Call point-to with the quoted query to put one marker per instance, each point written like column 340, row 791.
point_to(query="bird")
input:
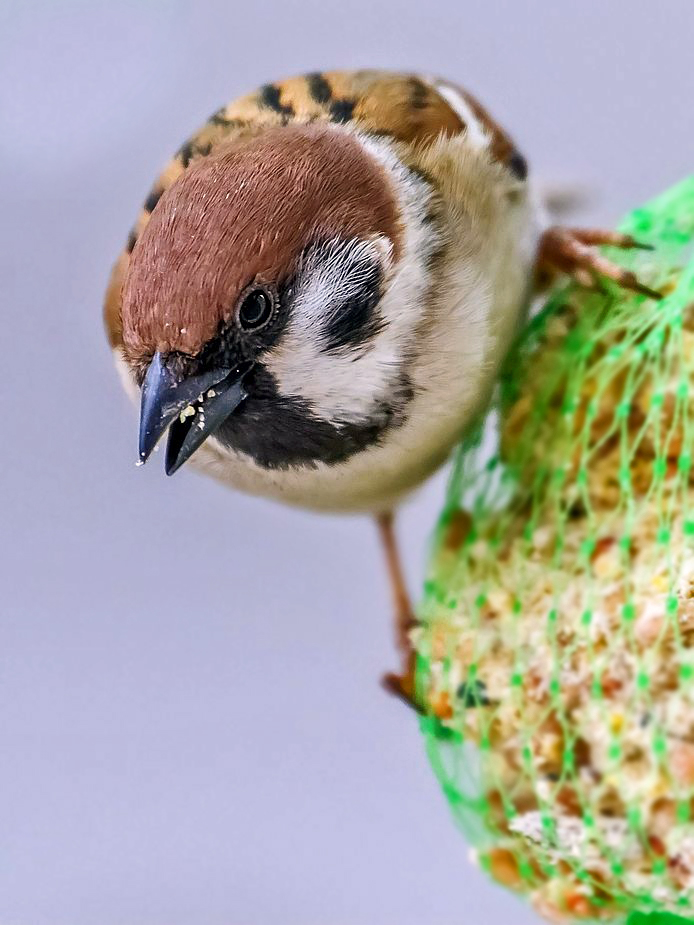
column 321, row 286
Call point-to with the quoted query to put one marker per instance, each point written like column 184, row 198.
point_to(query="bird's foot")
column 402, row 685
column 573, row 251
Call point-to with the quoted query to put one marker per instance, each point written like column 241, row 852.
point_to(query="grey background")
column 190, row 725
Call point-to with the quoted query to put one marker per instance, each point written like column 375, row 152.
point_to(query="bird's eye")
column 255, row 309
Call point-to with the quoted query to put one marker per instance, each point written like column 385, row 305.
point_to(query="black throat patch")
column 281, row 432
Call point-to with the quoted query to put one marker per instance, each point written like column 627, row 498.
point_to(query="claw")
column 402, row 687
column 636, row 286
column 572, row 251
column 594, row 237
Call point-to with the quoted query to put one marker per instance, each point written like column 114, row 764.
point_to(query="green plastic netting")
column 556, row 648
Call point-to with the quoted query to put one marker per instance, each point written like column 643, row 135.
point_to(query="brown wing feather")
column 402, row 106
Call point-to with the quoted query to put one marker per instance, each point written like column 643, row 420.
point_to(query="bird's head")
column 274, row 297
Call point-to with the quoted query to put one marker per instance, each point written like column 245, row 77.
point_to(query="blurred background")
column 191, row 726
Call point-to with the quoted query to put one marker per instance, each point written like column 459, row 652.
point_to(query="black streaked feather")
column 270, row 98
column 152, row 200
column 518, row 165
column 319, row 88
column 342, row 110
column 185, row 152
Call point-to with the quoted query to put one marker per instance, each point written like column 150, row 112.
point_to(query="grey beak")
column 190, row 407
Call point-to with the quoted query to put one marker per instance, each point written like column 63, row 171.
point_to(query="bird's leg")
column 400, row 685
column 572, row 251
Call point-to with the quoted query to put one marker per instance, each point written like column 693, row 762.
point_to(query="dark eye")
column 256, row 309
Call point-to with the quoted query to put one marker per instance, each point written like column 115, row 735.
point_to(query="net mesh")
column 556, row 645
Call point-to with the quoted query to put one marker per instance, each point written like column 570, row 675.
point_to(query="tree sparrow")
column 321, row 285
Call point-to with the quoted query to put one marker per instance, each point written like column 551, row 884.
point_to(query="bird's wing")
column 408, row 108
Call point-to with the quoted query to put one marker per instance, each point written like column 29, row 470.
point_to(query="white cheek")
column 340, row 386
column 348, row 385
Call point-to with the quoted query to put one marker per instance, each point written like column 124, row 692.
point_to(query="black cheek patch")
column 354, row 325
column 357, row 320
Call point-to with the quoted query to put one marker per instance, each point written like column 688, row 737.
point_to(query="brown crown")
column 245, row 213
